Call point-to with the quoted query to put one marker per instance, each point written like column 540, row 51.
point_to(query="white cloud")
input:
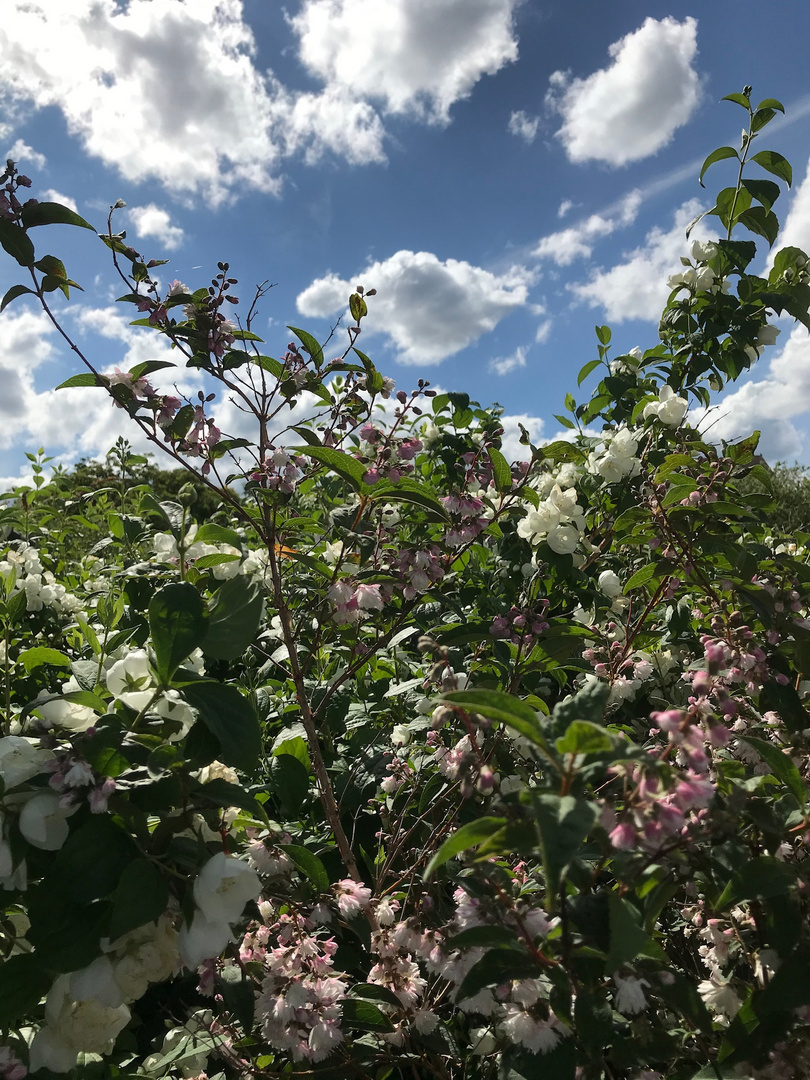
column 637, row 287
column 427, row 308
column 52, row 195
column 778, row 405
column 22, row 152
column 795, row 231
column 415, row 56
column 632, row 108
column 564, row 207
column 524, row 126
column 168, row 90
column 502, row 365
column 543, row 332
column 511, row 446
column 577, row 241
column 151, row 221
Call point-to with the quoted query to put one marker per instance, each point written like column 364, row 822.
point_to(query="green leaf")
column 238, row 995
column 468, row 836
column 760, row 221
column 141, row 897
column 289, row 780
column 216, row 534
column 780, row 765
column 407, row 490
column 496, row 967
column 776, row 164
column 34, row 658
column 764, row 191
column 566, row 423
column 785, row 701
column 16, row 242
column 641, row 577
column 52, row 213
column 477, row 937
column 357, row 306
column 583, row 737
column 309, row 865
column 178, row 623
column 363, row 1015
column 24, row 979
column 501, row 473
column 720, row 154
column 763, row 877
column 90, row 863
column 13, row 293
column 585, row 371
column 343, row 464
column 269, row 364
column 603, row 334
column 510, row 710
column 376, row 993
column 563, row 823
column 770, row 103
column 233, row 618
column 84, row 378
column 627, row 937
column 740, row 99
column 205, row 562
column 230, row 717
column 310, row 344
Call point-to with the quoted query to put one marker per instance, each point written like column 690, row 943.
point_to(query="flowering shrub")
column 412, row 761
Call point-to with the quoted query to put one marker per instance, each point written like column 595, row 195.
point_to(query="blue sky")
column 505, row 174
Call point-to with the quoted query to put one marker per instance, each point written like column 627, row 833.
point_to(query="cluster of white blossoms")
column 86, row 1010
column 133, row 681
column 232, row 560
column 558, row 518
column 700, row 278
column 41, row 588
column 615, row 459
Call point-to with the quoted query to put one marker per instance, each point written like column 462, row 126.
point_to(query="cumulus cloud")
column 795, row 231
column 578, row 240
column 427, row 308
column 502, row 365
column 52, row 195
column 524, row 126
column 511, row 446
column 151, row 221
column 630, row 109
column 637, row 287
column 169, row 90
column 415, row 56
column 22, row 152
column 778, row 404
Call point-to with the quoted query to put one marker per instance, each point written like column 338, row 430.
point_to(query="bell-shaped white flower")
column 20, row 759
column 224, row 885
column 43, row 822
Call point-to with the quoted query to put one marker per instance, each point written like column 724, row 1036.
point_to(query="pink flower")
column 352, row 897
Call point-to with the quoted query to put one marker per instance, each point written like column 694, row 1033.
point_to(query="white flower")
column 704, row 252
column 129, row 677
column 718, row 996
column 67, row 714
column 20, row 759
column 670, row 408
column 223, row 887
column 43, row 822
column 538, row 522
column 629, row 995
column 563, row 539
column 609, row 584
column 203, row 939
column 768, row 335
